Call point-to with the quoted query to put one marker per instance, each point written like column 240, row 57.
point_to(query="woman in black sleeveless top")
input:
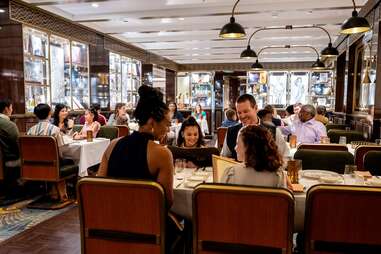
column 137, row 156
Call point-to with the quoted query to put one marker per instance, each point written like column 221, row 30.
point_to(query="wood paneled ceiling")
column 186, row 31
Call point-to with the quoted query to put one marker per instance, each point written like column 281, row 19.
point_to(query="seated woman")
column 137, row 156
column 120, row 116
column 261, row 160
column 91, row 124
column 190, row 134
column 176, row 116
column 60, row 119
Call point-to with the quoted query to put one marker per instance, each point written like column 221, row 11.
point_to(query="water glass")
column 179, row 165
column 343, row 140
column 377, row 141
column 350, row 169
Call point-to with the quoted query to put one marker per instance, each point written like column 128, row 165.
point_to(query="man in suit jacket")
column 247, row 114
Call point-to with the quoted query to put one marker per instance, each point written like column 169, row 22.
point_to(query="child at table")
column 91, row 124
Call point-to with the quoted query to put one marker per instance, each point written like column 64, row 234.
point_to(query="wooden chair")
column 324, row 159
column 343, row 219
column 242, row 219
column 121, row 216
column 334, row 147
column 123, row 130
column 40, row 162
column 221, row 133
column 335, row 135
column 221, row 163
column 372, row 162
column 201, row 157
column 360, row 152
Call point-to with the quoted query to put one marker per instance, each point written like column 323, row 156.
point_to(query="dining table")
column 187, row 179
column 85, row 153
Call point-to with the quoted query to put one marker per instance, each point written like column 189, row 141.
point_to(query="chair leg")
column 61, row 189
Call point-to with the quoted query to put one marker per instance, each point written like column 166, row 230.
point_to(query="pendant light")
column 248, row 53
column 257, row 66
column 232, row 30
column 355, row 24
column 318, row 65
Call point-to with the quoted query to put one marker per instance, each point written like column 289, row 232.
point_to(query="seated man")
column 44, row 128
column 9, row 135
column 306, row 128
column 320, row 115
column 276, row 121
column 247, row 114
column 231, row 118
column 266, row 116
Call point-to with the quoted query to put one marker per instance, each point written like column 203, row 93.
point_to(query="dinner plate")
column 373, row 182
column 202, row 174
column 192, row 184
column 196, row 178
column 317, row 174
column 330, row 179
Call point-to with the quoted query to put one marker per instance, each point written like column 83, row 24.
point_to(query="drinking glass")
column 350, row 169
column 293, row 139
column 347, row 128
column 89, row 136
column 343, row 140
column 179, row 165
column 293, row 167
column 377, row 141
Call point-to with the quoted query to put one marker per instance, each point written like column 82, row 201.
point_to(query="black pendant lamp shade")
column 318, row 65
column 355, row 24
column 329, row 51
column 248, row 53
column 232, row 30
column 257, row 66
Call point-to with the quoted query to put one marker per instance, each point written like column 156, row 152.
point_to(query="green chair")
column 324, row 159
column 77, row 127
column 335, row 135
column 372, row 162
column 335, row 126
column 110, row 132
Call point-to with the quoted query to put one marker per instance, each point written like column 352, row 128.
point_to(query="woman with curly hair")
column 261, row 161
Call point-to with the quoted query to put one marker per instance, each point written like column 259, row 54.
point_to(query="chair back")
column 121, row 216
column 77, row 128
column 242, row 219
column 39, row 158
column 109, row 132
column 123, row 130
column 360, row 152
column 219, row 165
column 1, row 164
column 221, row 133
column 334, row 135
column 336, row 126
column 324, row 159
column 335, row 147
column 343, row 219
column 201, row 157
column 372, row 162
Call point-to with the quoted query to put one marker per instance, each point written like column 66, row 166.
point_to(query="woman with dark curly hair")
column 262, row 162
column 190, row 134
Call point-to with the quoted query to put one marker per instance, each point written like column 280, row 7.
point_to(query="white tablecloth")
column 182, row 204
column 85, row 154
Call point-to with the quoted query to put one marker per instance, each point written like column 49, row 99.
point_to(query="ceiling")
column 186, row 31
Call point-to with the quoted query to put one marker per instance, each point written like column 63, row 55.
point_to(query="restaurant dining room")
column 190, row 127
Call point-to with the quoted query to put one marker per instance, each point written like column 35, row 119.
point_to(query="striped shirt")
column 44, row 128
